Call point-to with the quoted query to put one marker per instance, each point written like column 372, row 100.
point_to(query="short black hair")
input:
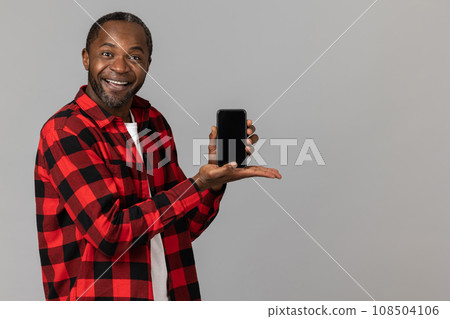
column 118, row 16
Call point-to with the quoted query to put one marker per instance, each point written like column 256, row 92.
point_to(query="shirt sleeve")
column 91, row 198
column 200, row 217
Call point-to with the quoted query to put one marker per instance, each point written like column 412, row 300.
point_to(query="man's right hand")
column 211, row 175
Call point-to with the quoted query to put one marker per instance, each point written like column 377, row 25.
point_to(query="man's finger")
column 213, row 133
column 212, row 139
column 263, row 171
column 250, row 130
column 252, row 139
column 255, row 171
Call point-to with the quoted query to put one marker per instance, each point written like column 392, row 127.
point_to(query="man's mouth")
column 117, row 82
column 116, row 85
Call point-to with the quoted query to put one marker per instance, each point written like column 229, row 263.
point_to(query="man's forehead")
column 122, row 32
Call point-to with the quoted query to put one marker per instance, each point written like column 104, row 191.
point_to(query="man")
column 109, row 230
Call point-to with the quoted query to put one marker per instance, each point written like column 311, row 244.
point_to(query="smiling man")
column 109, row 229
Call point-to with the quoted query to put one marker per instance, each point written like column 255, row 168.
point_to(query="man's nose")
column 120, row 65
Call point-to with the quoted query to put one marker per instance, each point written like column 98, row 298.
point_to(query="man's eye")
column 108, row 54
column 136, row 58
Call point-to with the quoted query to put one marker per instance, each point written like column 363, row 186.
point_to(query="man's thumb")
column 232, row 164
column 213, row 133
column 222, row 171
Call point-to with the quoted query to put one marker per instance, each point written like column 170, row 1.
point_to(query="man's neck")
column 123, row 112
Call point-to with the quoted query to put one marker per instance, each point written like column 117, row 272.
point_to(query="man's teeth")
column 116, row 82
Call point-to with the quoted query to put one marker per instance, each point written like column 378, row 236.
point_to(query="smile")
column 116, row 86
column 116, row 82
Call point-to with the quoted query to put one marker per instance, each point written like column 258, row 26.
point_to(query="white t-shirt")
column 158, row 261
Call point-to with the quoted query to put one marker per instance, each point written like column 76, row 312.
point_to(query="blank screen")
column 231, row 126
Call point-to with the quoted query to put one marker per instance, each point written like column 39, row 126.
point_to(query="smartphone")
column 231, row 136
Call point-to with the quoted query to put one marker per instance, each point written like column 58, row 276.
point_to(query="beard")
column 111, row 100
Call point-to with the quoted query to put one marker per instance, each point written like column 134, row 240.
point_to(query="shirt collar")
column 132, row 117
column 100, row 115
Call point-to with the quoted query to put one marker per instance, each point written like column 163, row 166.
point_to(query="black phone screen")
column 231, row 137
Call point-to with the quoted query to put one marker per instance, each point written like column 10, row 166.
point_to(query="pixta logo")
column 309, row 152
column 145, row 148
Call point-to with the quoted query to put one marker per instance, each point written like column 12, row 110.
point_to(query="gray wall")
column 376, row 104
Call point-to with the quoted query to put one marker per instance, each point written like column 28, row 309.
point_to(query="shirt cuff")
column 188, row 194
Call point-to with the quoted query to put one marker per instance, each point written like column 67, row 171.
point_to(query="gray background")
column 376, row 105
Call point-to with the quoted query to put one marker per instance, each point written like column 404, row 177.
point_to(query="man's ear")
column 148, row 65
column 85, row 56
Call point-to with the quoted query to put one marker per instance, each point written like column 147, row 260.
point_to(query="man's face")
column 114, row 75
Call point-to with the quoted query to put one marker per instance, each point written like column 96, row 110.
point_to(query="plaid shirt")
column 92, row 205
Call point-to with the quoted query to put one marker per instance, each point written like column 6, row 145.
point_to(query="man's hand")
column 212, row 148
column 212, row 176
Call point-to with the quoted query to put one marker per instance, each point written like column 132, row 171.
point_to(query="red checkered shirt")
column 92, row 205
